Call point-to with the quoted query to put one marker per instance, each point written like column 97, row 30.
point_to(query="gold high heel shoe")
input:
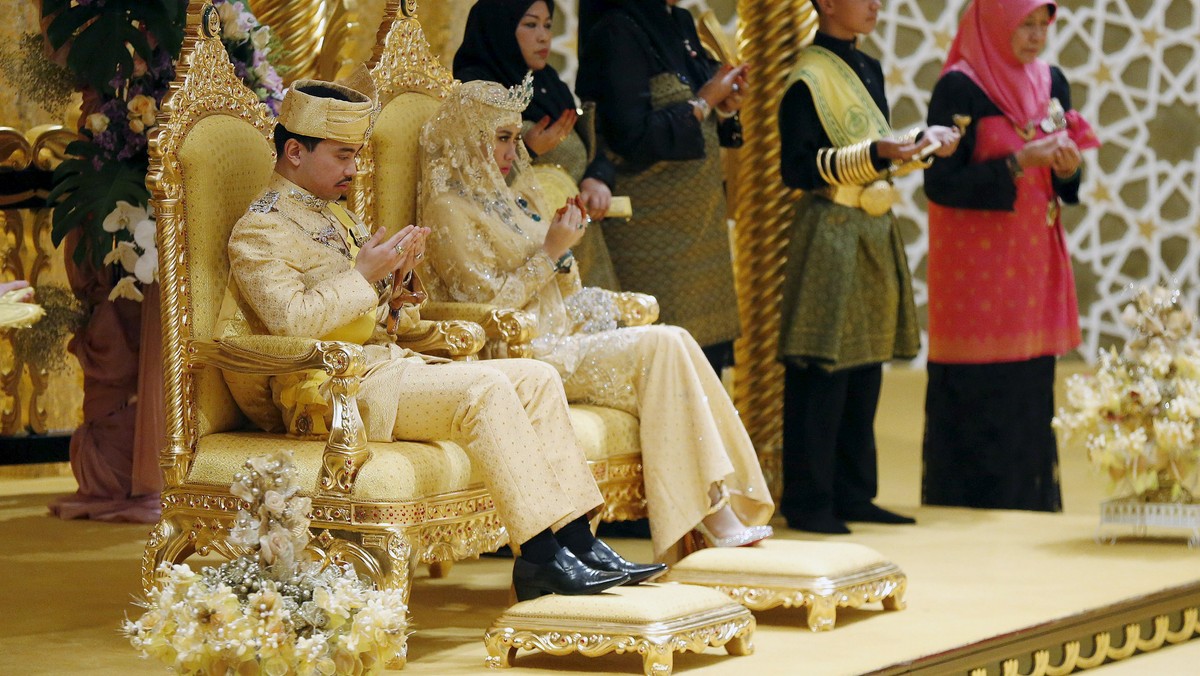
column 748, row 536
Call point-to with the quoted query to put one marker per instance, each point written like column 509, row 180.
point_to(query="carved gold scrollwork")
column 637, row 309
column 1103, row 648
column 516, row 328
column 459, row 339
column 210, row 22
column 657, row 651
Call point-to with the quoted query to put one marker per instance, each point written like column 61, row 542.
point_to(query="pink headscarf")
column 982, row 51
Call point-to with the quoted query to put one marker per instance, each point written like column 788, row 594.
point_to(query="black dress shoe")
column 872, row 513
column 565, row 574
column 817, row 522
column 602, row 557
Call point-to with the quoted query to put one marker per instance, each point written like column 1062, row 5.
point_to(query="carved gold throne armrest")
column 346, row 449
column 514, row 329
column 459, row 339
column 637, row 309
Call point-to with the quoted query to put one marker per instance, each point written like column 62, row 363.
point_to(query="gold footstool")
column 654, row 620
column 821, row 576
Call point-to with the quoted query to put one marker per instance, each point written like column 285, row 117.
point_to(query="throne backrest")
column 410, row 83
column 210, row 158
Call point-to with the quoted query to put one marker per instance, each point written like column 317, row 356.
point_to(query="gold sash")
column 361, row 329
column 847, row 111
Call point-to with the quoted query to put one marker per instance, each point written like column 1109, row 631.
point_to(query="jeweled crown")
column 515, row 98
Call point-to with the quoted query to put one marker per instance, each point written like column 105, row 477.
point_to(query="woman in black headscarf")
column 505, row 39
column 664, row 108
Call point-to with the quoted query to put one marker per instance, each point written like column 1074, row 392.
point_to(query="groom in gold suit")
column 301, row 265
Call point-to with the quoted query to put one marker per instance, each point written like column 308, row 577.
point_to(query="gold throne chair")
column 410, row 83
column 384, row 507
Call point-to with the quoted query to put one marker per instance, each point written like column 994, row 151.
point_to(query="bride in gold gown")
column 494, row 241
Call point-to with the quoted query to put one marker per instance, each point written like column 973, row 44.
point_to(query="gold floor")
column 972, row 575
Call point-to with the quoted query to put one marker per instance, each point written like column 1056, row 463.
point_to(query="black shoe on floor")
column 565, row 574
column 602, row 557
column 817, row 522
column 872, row 513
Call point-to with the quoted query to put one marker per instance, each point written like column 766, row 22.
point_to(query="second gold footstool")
column 821, row 576
column 653, row 620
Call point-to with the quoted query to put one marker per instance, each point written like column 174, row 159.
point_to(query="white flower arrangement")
column 271, row 611
column 138, row 256
column 1138, row 417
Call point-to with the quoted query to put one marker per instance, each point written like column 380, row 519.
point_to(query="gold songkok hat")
column 325, row 118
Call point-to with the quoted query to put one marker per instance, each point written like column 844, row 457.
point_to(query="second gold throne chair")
column 410, row 83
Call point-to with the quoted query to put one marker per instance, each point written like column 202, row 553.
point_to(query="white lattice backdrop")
column 1135, row 74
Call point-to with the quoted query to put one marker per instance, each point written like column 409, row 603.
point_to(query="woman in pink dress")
column 1001, row 294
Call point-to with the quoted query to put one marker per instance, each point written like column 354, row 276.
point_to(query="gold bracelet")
column 859, row 169
column 824, row 157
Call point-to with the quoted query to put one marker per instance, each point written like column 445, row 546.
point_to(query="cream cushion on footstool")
column 818, row 575
column 655, row 620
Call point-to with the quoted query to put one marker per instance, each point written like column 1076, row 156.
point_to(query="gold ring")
column 399, row 249
column 420, row 256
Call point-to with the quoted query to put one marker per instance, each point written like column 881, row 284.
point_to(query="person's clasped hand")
column 943, row 139
column 597, row 197
column 381, row 255
column 1056, row 151
column 543, row 136
column 725, row 90
column 413, row 245
column 566, row 230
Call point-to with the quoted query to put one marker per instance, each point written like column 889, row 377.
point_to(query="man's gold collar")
column 298, row 194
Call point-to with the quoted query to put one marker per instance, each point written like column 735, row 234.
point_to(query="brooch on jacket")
column 266, row 203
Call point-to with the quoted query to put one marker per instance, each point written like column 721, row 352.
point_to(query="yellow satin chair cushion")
column 397, row 472
column 605, row 432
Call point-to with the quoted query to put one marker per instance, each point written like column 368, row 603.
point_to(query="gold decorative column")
column 349, row 37
column 770, row 37
column 301, row 27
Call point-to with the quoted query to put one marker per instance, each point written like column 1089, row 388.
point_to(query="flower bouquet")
column 1138, row 417
column 270, row 611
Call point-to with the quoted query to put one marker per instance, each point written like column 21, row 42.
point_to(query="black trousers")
column 988, row 441
column 829, row 438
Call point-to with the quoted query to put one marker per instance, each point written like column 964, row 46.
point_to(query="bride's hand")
column 565, row 230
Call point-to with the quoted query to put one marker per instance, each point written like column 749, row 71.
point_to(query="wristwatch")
column 702, row 105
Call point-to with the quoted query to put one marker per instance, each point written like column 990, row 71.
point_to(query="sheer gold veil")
column 457, row 146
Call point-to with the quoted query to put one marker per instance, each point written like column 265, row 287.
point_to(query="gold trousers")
column 509, row 415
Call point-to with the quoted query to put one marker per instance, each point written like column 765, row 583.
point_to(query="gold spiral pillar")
column 771, row 35
column 301, row 27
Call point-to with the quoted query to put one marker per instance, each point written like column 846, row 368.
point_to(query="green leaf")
column 84, row 195
column 65, row 24
column 165, row 20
